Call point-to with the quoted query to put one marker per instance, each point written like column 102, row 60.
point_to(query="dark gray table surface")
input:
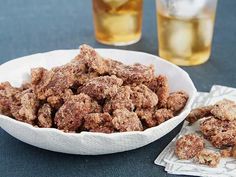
column 32, row 26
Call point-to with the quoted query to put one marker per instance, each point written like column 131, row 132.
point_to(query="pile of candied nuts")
column 218, row 126
column 92, row 93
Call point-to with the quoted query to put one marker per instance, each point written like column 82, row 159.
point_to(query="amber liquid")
column 117, row 22
column 185, row 42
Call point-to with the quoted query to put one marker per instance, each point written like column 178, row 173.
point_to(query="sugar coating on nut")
column 188, row 146
column 56, row 101
column 132, row 74
column 25, row 107
column 121, row 100
column 83, row 78
column 125, row 120
column 37, row 74
column 45, row 116
column 224, row 139
column 208, row 157
column 92, row 60
column 199, row 113
column 176, row 101
column 99, row 122
column 7, row 97
column 71, row 114
column 151, row 117
column 162, row 115
column 160, row 86
column 54, row 82
column 114, row 66
column 143, row 97
column 146, row 116
column 102, row 87
column 224, row 110
column 210, row 126
column 219, row 132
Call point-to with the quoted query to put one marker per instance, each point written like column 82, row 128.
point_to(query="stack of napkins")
column 167, row 158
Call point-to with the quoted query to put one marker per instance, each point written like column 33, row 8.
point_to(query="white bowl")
column 16, row 71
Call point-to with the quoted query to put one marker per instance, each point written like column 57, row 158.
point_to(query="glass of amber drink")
column 185, row 30
column 117, row 22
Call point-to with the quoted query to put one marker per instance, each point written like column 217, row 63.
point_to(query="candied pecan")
column 189, row 146
column 208, row 157
column 98, row 122
column 224, row 110
column 55, row 81
column 162, row 115
column 55, row 101
column 83, row 78
column 71, row 114
column 224, row 139
column 37, row 74
column 7, row 96
column 211, row 126
column 146, row 116
column 80, row 73
column 130, row 74
column 25, row 107
column 120, row 100
column 143, row 97
column 102, row 87
column 125, row 120
column 92, row 59
column 199, row 113
column 219, row 132
column 177, row 101
column 151, row 117
column 58, row 100
column 67, row 94
column 45, row 116
column 160, row 86
column 113, row 66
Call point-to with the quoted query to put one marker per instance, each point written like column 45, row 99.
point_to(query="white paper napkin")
column 167, row 158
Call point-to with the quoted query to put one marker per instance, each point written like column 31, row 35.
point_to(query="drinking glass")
column 117, row 22
column 185, row 30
